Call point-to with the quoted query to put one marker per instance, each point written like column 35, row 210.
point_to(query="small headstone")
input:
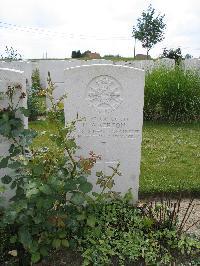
column 110, row 99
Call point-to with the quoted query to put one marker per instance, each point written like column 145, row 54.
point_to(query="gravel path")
column 194, row 216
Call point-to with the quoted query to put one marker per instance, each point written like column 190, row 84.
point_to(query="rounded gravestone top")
column 104, row 93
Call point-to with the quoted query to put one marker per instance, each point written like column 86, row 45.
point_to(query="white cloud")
column 104, row 26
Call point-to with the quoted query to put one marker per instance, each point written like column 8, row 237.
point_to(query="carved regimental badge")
column 104, row 93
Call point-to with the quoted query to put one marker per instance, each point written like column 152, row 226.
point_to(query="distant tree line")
column 78, row 54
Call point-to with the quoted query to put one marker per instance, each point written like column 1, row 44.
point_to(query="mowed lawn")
column 170, row 157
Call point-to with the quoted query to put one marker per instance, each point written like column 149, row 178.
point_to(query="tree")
column 149, row 29
column 188, row 56
column 173, row 54
column 76, row 54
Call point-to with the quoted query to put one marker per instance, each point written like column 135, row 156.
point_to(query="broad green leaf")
column 85, row 187
column 56, row 243
column 6, row 179
column 81, row 217
column 34, row 246
column 35, row 257
column 4, row 162
column 44, row 251
column 2, row 189
column 13, row 239
column 148, row 222
column 77, row 198
column 65, row 243
column 14, row 150
column 81, row 179
column 31, row 192
column 24, row 111
column 15, row 165
column 25, row 237
column 62, row 234
column 45, row 189
column 70, row 185
column 91, row 220
column 38, row 169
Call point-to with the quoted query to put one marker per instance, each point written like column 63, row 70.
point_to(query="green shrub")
column 36, row 86
column 36, row 106
column 139, row 235
column 36, row 98
column 172, row 95
column 51, row 187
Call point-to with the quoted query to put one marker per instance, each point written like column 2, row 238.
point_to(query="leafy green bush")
column 139, row 235
column 36, row 100
column 36, row 105
column 172, row 95
column 54, row 206
column 51, row 187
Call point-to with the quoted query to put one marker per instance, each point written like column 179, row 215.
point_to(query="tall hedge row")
column 172, row 95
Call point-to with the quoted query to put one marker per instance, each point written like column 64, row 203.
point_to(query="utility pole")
column 134, row 48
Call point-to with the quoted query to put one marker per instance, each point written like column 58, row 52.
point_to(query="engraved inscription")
column 107, row 127
column 104, row 93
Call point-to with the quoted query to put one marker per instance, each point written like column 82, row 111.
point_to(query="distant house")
column 142, row 56
column 91, row 55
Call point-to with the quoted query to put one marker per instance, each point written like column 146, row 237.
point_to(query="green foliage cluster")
column 36, row 99
column 123, row 234
column 172, row 95
column 51, row 188
column 150, row 29
column 54, row 206
column 173, row 54
column 76, row 54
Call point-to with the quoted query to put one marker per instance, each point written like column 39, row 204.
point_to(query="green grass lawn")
column 170, row 157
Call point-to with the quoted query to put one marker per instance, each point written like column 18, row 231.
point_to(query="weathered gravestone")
column 56, row 69
column 110, row 98
column 11, row 77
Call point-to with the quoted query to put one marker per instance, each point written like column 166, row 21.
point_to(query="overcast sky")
column 35, row 27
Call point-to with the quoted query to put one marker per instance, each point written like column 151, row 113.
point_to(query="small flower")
column 13, row 253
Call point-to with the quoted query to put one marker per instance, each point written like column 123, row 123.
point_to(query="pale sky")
column 35, row 27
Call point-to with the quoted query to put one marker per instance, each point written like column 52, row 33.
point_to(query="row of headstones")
column 110, row 98
column 56, row 67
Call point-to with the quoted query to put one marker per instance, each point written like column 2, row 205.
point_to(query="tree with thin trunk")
column 149, row 29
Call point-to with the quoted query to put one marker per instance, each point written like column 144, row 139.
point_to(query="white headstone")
column 191, row 64
column 56, row 69
column 110, row 98
column 11, row 77
column 21, row 65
